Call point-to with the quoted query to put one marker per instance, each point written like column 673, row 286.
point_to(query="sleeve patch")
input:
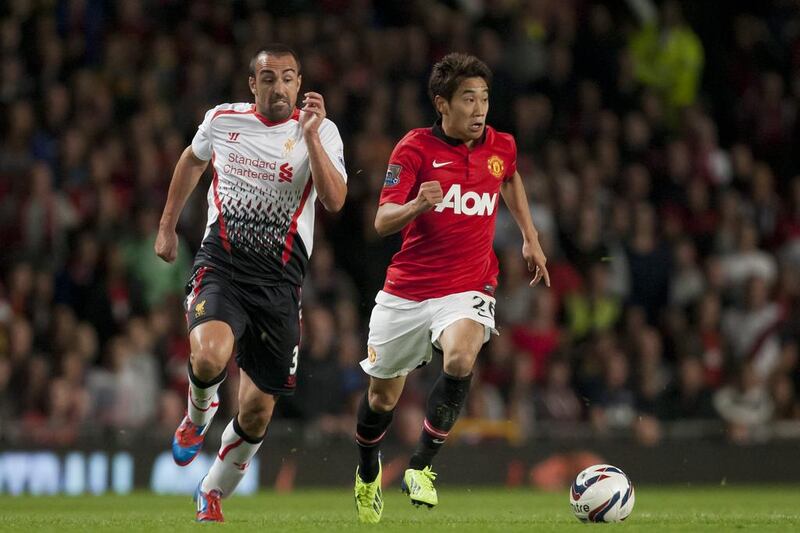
column 392, row 176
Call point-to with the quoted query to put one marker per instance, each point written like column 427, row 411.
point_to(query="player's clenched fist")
column 166, row 246
column 430, row 194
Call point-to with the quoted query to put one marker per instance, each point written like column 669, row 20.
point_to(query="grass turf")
column 725, row 508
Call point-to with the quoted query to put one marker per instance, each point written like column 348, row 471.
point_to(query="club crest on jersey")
column 372, row 355
column 288, row 146
column 286, row 173
column 496, row 166
column 392, row 176
column 200, row 309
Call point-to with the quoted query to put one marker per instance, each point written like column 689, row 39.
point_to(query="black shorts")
column 265, row 321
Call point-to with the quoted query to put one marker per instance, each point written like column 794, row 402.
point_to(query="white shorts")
column 402, row 332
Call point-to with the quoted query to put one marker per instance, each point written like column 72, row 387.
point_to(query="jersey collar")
column 267, row 122
column 439, row 133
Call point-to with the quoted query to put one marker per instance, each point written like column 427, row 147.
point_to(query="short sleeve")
column 401, row 176
column 332, row 144
column 512, row 159
column 201, row 143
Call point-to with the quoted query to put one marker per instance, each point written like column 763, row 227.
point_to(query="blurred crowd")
column 658, row 143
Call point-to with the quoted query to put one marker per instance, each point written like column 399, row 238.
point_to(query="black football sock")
column 444, row 405
column 199, row 383
column 370, row 429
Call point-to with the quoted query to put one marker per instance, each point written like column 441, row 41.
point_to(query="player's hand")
column 313, row 112
column 534, row 256
column 166, row 246
column 430, row 194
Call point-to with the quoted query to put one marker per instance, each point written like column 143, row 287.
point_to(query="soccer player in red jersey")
column 244, row 295
column 441, row 192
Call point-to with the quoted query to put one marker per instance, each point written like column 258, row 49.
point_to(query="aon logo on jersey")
column 470, row 203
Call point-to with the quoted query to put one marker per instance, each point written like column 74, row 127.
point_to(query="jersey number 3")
column 293, row 368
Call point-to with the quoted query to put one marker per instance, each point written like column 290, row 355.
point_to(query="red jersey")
column 448, row 249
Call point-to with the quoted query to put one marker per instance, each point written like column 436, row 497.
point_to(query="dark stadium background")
column 662, row 165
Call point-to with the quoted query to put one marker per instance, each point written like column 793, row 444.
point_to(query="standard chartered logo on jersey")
column 470, row 203
column 256, row 168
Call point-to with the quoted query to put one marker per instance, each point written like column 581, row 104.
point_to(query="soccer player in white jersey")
column 244, row 294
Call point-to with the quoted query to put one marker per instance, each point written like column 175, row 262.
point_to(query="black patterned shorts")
column 265, row 320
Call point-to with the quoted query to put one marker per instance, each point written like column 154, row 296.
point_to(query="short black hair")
column 277, row 49
column 451, row 70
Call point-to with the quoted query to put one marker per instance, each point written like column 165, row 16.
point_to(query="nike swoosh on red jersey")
column 436, row 164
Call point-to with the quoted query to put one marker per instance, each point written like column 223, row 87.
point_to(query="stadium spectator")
column 668, row 54
column 689, row 398
column 557, row 400
column 540, row 336
column 614, row 407
column 597, row 309
column 687, row 284
column 745, row 405
column 752, row 330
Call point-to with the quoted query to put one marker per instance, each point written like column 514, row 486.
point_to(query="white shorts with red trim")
column 403, row 333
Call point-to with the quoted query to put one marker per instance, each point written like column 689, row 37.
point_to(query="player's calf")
column 236, row 450
column 203, row 400
column 371, row 426
column 445, row 401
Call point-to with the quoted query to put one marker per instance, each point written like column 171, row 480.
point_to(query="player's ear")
column 252, row 82
column 441, row 105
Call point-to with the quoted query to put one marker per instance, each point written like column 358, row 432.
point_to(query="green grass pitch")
column 723, row 508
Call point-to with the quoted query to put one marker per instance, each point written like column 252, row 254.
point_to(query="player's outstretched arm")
column 514, row 196
column 329, row 183
column 391, row 218
column 187, row 173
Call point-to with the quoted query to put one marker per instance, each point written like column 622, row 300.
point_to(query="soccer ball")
column 602, row 493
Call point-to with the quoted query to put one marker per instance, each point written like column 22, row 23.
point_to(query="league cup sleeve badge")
column 392, row 176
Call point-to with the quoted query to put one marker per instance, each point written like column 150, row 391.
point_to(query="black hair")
column 451, row 70
column 277, row 49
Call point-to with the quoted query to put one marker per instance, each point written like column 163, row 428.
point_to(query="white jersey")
column 261, row 201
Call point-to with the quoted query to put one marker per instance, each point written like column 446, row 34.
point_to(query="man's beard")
column 277, row 114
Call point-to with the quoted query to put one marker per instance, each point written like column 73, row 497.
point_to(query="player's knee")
column 382, row 401
column 207, row 363
column 459, row 363
column 212, row 345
